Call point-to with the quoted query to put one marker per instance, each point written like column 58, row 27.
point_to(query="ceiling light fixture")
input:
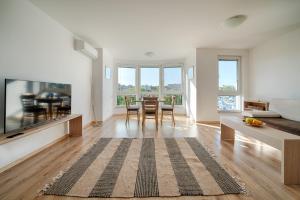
column 235, row 21
column 149, row 54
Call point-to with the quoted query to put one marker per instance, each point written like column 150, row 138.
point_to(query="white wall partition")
column 108, row 85
column 190, row 88
column 207, row 80
column 102, row 103
column 35, row 47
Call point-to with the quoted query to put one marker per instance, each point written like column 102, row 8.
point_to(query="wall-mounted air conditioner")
column 85, row 48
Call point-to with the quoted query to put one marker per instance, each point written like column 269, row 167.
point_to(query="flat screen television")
column 32, row 103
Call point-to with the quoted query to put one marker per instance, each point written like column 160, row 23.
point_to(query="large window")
column 173, row 84
column 138, row 81
column 149, row 80
column 229, row 88
column 126, row 84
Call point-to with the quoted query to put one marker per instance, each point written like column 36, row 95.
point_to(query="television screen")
column 31, row 103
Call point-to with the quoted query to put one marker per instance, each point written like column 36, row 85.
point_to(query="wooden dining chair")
column 131, row 109
column 150, row 111
column 150, row 98
column 168, row 109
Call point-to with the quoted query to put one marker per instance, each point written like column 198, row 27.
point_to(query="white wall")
column 275, row 68
column 207, row 80
column 35, row 47
column 108, row 86
column 97, row 87
column 103, row 88
column 191, row 91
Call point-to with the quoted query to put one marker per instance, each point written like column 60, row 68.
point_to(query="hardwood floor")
column 256, row 164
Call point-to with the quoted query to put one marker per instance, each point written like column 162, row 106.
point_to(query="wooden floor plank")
column 256, row 164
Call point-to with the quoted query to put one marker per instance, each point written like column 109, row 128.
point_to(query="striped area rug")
column 145, row 167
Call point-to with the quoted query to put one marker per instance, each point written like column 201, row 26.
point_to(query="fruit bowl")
column 255, row 125
column 254, row 122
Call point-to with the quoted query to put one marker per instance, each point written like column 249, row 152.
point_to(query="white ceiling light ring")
column 149, row 54
column 235, row 21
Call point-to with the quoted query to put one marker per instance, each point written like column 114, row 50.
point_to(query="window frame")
column 120, row 93
column 139, row 92
column 161, row 93
column 236, row 93
column 164, row 92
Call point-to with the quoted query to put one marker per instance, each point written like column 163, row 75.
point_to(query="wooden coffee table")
column 287, row 143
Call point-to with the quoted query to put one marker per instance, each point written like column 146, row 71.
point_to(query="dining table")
column 149, row 106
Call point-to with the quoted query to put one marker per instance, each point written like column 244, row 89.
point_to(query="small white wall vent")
column 85, row 48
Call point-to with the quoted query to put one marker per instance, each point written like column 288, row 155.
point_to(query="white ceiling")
column 171, row 28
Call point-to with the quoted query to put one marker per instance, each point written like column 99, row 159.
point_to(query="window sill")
column 229, row 111
column 176, row 106
column 120, row 106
